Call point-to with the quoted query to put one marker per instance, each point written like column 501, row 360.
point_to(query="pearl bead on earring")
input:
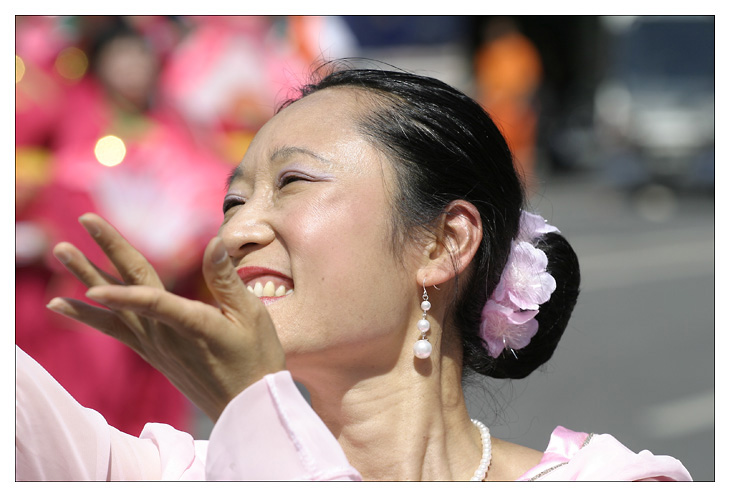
column 422, row 348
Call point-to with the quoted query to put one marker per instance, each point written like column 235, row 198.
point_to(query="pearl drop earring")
column 422, row 348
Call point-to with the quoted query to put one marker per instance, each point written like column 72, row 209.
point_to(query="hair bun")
column 553, row 316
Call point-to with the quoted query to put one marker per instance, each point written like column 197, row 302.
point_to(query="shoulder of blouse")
column 574, row 455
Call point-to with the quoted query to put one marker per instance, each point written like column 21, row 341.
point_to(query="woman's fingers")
column 90, row 275
column 103, row 320
column 156, row 303
column 132, row 266
column 81, row 267
column 224, row 283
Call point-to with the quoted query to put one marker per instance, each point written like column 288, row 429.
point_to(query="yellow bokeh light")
column 19, row 69
column 110, row 151
column 72, row 63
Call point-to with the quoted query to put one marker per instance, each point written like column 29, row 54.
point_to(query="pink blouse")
column 268, row 432
column 572, row 455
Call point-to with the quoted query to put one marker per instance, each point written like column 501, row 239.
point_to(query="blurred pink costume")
column 268, row 432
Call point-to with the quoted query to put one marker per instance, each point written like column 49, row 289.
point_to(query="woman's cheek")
column 336, row 246
column 336, row 228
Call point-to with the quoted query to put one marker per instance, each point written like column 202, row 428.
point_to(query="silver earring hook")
column 424, row 286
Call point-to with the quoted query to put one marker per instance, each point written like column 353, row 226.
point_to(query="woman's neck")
column 402, row 424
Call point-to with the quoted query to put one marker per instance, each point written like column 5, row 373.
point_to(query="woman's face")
column 308, row 210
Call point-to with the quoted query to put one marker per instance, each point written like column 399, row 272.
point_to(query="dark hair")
column 445, row 147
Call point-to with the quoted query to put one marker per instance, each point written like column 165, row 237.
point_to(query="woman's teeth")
column 268, row 290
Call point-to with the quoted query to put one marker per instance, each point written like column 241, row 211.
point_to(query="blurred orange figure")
column 508, row 72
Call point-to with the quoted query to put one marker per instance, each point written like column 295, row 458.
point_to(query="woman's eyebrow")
column 282, row 153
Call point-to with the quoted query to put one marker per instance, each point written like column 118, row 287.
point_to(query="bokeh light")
column 110, row 151
column 19, row 69
column 72, row 63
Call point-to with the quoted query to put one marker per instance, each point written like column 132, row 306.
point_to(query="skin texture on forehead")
column 335, row 109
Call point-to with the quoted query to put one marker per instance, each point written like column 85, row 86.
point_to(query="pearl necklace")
column 481, row 471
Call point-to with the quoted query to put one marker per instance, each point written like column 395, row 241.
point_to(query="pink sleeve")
column 270, row 432
column 57, row 439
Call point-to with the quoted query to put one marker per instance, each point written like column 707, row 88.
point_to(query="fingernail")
column 92, row 229
column 219, row 251
column 62, row 256
column 57, row 304
column 93, row 294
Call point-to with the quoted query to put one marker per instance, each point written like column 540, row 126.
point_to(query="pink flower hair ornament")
column 508, row 317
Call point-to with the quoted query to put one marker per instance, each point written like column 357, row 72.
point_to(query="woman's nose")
column 246, row 231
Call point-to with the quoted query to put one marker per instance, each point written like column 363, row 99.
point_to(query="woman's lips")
column 270, row 300
column 266, row 283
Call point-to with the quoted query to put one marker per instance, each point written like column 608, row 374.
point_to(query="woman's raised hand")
column 210, row 354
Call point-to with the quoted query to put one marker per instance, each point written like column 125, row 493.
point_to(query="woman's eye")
column 231, row 202
column 291, row 178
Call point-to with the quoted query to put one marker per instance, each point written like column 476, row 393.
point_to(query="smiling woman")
column 374, row 248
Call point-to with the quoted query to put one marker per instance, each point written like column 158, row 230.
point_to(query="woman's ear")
column 459, row 236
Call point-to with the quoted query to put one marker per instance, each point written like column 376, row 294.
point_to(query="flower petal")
column 522, row 335
column 494, row 326
column 532, row 225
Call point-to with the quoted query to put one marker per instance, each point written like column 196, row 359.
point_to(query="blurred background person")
column 508, row 72
column 229, row 72
column 112, row 147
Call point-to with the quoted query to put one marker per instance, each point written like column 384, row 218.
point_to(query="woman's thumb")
column 223, row 281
